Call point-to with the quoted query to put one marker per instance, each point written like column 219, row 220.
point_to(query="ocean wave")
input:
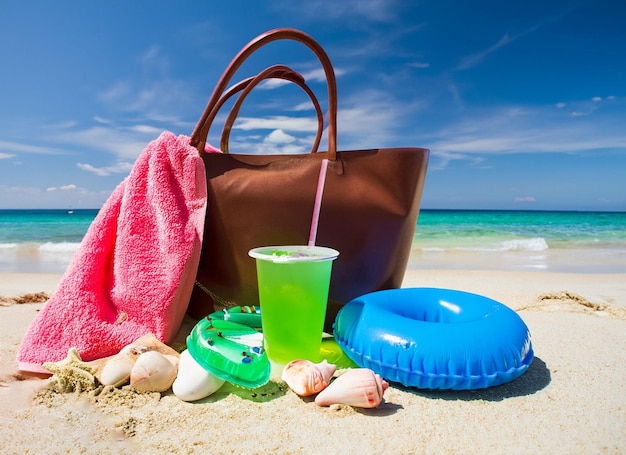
column 534, row 244
column 34, row 257
column 34, row 248
column 60, row 247
column 531, row 244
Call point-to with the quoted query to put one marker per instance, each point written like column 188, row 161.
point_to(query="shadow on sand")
column 536, row 378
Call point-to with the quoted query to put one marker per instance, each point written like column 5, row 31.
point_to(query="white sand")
column 572, row 400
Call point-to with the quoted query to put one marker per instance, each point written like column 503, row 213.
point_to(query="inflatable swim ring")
column 249, row 315
column 231, row 351
column 435, row 338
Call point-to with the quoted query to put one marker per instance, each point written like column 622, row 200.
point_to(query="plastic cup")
column 293, row 293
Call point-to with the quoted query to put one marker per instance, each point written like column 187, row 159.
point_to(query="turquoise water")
column 43, row 241
column 589, row 242
column 522, row 230
column 44, row 226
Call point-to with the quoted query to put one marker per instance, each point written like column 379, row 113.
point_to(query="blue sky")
column 523, row 104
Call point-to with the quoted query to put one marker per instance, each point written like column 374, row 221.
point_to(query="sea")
column 44, row 241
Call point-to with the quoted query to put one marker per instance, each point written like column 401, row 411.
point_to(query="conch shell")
column 359, row 387
column 307, row 378
column 153, row 372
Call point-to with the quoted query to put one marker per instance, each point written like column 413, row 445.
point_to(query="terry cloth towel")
column 135, row 269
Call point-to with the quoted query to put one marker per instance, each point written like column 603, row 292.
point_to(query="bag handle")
column 199, row 135
column 278, row 72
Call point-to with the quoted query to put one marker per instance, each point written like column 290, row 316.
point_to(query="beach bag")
column 368, row 213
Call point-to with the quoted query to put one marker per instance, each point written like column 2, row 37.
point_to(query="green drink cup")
column 293, row 293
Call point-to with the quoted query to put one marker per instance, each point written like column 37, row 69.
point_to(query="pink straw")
column 318, row 202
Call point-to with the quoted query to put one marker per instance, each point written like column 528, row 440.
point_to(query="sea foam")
column 534, row 244
column 483, row 245
column 59, row 247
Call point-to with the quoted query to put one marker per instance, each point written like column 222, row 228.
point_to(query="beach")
column 572, row 399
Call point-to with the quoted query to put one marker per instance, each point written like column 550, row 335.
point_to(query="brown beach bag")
column 368, row 213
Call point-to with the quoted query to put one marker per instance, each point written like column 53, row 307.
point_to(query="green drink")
column 293, row 293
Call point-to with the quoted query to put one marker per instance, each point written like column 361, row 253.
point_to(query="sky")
column 522, row 103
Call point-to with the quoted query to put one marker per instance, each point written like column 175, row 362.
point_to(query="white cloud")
column 252, row 145
column 373, row 118
column 525, row 199
column 146, row 129
column 305, row 106
column 118, row 168
column 279, row 137
column 581, row 108
column 344, row 10
column 28, row 148
column 119, row 90
column 163, row 98
column 60, row 125
column 61, row 188
column 419, row 65
column 276, row 122
column 22, row 197
column 121, row 142
column 152, row 54
column 474, row 59
column 367, row 119
column 319, row 75
column 512, row 130
column 560, row 105
column 271, row 84
column 102, row 120
column 5, row 156
column 314, row 75
column 522, row 139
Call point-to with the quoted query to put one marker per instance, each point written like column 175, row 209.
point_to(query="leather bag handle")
column 199, row 135
column 276, row 71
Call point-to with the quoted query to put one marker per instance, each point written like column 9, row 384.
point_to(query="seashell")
column 152, row 372
column 116, row 371
column 359, row 387
column 149, row 343
column 194, row 382
column 174, row 359
column 307, row 378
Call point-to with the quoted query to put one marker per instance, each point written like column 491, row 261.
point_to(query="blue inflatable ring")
column 435, row 338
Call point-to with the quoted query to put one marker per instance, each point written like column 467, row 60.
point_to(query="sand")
column 572, row 400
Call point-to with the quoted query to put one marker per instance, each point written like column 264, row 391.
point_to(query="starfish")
column 72, row 373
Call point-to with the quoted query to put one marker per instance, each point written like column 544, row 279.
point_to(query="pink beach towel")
column 135, row 269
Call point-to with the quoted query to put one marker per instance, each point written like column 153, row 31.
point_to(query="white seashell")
column 152, row 372
column 359, row 387
column 194, row 382
column 116, row 371
column 307, row 378
column 174, row 359
column 128, row 349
